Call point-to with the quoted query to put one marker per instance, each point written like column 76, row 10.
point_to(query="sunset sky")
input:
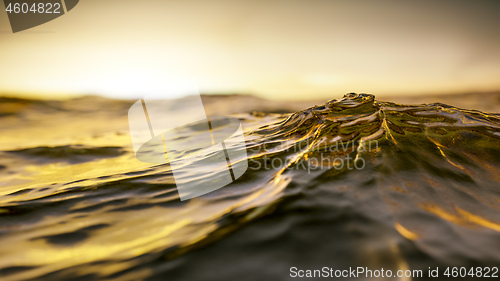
column 279, row 49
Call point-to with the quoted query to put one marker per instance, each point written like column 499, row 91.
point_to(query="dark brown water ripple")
column 428, row 194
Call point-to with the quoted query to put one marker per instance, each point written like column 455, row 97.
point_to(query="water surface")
column 75, row 203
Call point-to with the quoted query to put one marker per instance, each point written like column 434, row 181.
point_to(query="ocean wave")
column 352, row 182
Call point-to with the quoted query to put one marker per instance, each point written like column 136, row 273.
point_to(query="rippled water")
column 76, row 203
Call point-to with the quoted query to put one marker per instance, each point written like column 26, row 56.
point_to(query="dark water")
column 353, row 182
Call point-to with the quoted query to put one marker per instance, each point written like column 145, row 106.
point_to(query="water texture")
column 352, row 182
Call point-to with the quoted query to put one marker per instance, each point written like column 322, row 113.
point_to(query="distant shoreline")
column 483, row 101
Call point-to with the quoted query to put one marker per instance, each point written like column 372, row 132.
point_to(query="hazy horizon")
column 274, row 49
